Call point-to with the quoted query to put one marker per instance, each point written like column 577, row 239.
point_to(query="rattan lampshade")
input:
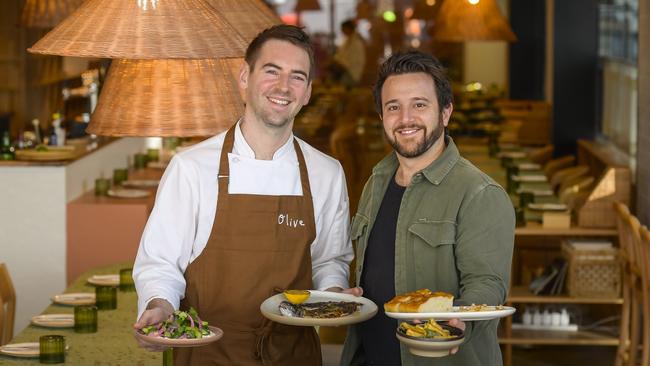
column 250, row 17
column 47, row 13
column 168, row 98
column 144, row 29
column 307, row 5
column 460, row 21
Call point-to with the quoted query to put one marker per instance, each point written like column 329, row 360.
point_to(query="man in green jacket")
column 427, row 218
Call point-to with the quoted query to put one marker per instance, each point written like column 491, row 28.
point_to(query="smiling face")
column 278, row 86
column 412, row 119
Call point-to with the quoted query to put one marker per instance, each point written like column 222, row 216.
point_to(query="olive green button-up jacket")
column 455, row 233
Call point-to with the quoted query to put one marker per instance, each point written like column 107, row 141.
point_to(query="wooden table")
column 112, row 345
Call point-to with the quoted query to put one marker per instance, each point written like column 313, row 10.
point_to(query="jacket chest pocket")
column 433, row 255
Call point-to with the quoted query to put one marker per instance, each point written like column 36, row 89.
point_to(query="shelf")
column 521, row 295
column 536, row 229
column 559, row 338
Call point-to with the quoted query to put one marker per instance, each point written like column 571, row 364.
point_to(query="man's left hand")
column 456, row 323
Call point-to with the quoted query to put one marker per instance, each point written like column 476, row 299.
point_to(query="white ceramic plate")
column 54, row 320
column 529, row 166
column 105, row 280
column 141, row 183
column 215, row 335
column 512, row 154
column 269, row 309
column 548, row 206
column 81, row 298
column 431, row 347
column 489, row 313
column 529, row 178
column 26, row 350
column 128, row 193
column 537, row 192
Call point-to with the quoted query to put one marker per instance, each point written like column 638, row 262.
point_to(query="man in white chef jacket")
column 205, row 217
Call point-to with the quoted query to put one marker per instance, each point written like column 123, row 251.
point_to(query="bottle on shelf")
column 6, row 149
column 58, row 131
column 37, row 131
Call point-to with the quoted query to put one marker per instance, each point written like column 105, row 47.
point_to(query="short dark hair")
column 412, row 62
column 289, row 33
column 350, row 24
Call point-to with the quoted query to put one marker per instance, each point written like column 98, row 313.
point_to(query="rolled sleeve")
column 332, row 250
column 167, row 241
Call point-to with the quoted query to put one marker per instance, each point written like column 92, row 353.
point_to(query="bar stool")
column 630, row 317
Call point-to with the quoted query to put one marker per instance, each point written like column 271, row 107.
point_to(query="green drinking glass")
column 85, row 319
column 119, row 176
column 52, row 349
column 106, row 297
column 126, row 280
column 140, row 161
column 525, row 198
column 153, row 154
column 101, row 186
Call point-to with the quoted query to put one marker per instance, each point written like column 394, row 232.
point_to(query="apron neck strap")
column 224, row 166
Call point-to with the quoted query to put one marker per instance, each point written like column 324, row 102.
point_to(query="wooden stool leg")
column 622, row 354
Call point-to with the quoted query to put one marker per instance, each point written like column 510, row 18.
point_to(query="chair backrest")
column 576, row 191
column 622, row 214
column 563, row 175
column 645, row 249
column 541, row 155
column 557, row 164
column 7, row 305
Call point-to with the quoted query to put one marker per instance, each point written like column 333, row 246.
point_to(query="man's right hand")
column 158, row 310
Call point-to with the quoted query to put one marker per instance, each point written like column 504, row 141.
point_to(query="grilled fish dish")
column 320, row 310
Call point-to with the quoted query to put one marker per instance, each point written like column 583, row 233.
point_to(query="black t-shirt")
column 378, row 281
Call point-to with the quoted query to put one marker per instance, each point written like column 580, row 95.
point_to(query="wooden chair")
column 644, row 264
column 628, row 228
column 7, row 306
column 541, row 155
column 577, row 192
column 558, row 164
column 566, row 175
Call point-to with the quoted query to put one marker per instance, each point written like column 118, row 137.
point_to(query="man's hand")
column 158, row 310
column 356, row 291
column 456, row 323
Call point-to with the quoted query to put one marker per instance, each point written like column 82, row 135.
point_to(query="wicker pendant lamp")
column 143, row 29
column 471, row 20
column 168, row 98
column 307, row 5
column 249, row 17
column 47, row 13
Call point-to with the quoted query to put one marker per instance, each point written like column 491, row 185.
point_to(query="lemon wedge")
column 296, row 296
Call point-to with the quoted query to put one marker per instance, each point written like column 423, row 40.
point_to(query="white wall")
column 487, row 62
column 33, row 221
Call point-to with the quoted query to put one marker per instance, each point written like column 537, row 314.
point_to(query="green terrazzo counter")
column 112, row 345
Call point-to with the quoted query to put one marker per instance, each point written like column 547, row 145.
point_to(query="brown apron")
column 257, row 246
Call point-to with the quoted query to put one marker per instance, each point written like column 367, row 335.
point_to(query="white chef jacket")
column 181, row 221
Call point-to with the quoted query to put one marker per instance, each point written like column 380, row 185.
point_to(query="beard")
column 421, row 146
